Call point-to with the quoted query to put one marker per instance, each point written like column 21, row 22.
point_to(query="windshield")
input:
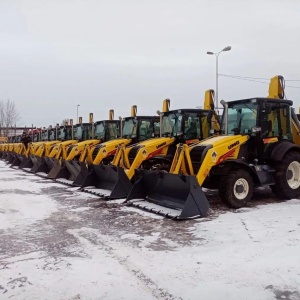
column 129, row 128
column 78, row 133
column 61, row 133
column 50, row 135
column 113, row 131
column 171, row 124
column 241, row 118
column 99, row 131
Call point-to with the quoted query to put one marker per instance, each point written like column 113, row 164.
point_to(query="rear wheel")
column 236, row 188
column 287, row 176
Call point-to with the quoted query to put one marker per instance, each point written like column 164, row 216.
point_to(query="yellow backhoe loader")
column 134, row 129
column 177, row 126
column 22, row 160
column 62, row 136
column 260, row 147
column 23, row 156
column 83, row 133
column 11, row 150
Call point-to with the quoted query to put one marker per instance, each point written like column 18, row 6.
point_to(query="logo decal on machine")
column 144, row 153
column 160, row 145
column 214, row 156
column 270, row 140
column 233, row 145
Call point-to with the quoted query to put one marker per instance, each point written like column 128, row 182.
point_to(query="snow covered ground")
column 59, row 243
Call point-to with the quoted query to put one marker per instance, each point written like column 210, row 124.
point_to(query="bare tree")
column 11, row 113
column 2, row 116
column 8, row 115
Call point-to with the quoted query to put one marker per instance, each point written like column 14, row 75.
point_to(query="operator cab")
column 186, row 124
column 64, row 133
column 269, row 117
column 83, row 131
column 107, row 130
column 267, row 121
column 140, row 128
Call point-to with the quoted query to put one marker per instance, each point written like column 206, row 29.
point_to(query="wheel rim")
column 241, row 189
column 293, row 175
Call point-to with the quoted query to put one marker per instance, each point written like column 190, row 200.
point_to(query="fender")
column 281, row 149
column 239, row 164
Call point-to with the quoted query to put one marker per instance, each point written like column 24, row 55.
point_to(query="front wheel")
column 287, row 176
column 236, row 188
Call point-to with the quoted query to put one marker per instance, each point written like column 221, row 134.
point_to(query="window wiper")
column 250, row 108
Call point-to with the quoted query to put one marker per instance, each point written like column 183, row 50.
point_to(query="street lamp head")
column 209, row 53
column 227, row 48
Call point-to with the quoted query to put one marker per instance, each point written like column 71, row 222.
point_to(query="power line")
column 244, row 77
column 256, row 79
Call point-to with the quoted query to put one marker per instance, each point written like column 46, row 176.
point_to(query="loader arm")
column 214, row 151
column 57, row 149
column 108, row 149
column 146, row 150
column 79, row 147
column 44, row 148
column 87, row 153
column 120, row 158
column 20, row 148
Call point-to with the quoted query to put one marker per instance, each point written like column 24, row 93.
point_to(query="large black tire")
column 287, row 176
column 236, row 188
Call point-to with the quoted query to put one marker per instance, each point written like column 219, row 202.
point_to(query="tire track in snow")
column 89, row 240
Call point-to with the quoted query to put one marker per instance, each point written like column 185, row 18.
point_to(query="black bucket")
column 49, row 162
column 110, row 178
column 25, row 163
column 61, row 169
column 73, row 168
column 56, row 168
column 11, row 158
column 82, row 175
column 17, row 161
column 39, row 165
column 178, row 192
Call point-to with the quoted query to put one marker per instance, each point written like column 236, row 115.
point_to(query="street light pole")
column 77, row 113
column 228, row 48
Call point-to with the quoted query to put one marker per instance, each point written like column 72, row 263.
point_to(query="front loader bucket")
column 50, row 162
column 69, row 170
column 26, row 163
column 58, row 167
column 17, row 161
column 111, row 178
column 39, row 165
column 11, row 158
column 82, row 175
column 182, row 194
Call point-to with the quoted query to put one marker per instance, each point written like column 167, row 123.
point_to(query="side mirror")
column 255, row 129
column 212, row 131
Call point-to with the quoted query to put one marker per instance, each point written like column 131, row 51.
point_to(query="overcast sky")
column 116, row 53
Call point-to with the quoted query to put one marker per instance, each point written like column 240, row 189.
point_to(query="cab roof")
column 260, row 99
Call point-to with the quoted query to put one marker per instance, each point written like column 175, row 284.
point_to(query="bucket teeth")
column 111, row 178
column 180, row 193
